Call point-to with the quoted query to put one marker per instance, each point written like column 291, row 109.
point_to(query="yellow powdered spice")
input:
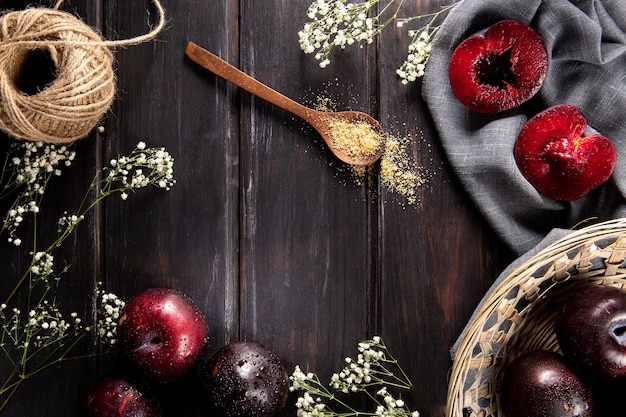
column 398, row 172
column 356, row 139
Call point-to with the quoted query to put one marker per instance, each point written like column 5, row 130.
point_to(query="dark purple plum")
column 243, row 379
column 117, row 397
column 591, row 330
column 540, row 384
column 163, row 333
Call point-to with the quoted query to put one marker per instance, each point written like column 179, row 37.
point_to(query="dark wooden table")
column 264, row 229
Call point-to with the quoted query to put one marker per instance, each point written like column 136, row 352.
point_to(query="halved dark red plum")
column 561, row 156
column 500, row 69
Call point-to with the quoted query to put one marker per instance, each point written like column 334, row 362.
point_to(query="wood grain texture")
column 264, row 229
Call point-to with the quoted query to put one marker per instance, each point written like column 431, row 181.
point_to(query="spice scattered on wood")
column 398, row 172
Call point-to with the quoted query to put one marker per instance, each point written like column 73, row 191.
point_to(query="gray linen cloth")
column 586, row 43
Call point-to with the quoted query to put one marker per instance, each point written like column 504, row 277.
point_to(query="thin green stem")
column 47, row 363
column 392, row 17
column 28, row 346
column 10, row 394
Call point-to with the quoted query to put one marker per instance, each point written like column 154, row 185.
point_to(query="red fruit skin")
column 590, row 330
column 560, row 156
column 117, row 397
column 540, row 384
column 499, row 70
column 163, row 333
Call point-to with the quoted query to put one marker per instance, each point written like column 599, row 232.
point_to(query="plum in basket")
column 540, row 384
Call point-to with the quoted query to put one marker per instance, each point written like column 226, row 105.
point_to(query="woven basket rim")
column 608, row 233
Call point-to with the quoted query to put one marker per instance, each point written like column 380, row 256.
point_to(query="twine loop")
column 84, row 84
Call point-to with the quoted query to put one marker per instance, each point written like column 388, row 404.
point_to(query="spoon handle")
column 230, row 73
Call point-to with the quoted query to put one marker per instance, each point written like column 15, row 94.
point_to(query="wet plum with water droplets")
column 539, row 383
column 163, row 333
column 591, row 329
column 243, row 379
column 118, row 397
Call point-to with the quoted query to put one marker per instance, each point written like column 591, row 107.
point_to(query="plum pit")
column 495, row 70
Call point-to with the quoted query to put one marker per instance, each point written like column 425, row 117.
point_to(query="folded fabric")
column 586, row 43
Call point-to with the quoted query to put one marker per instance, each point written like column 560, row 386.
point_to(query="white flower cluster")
column 31, row 342
column 419, row 52
column 109, row 307
column 307, row 406
column 46, row 324
column 392, row 407
column 310, row 404
column 42, row 264
column 338, row 23
column 358, row 372
column 371, row 368
column 30, row 171
column 67, row 222
column 14, row 218
column 144, row 166
column 301, row 381
column 40, row 158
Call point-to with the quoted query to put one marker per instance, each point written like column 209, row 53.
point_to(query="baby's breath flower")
column 419, row 52
column 42, row 264
column 373, row 367
column 144, row 166
column 29, row 172
column 43, row 336
column 337, row 23
column 108, row 308
column 421, row 45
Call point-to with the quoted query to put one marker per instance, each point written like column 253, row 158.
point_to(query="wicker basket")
column 518, row 313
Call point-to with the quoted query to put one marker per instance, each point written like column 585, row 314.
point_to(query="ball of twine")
column 84, row 85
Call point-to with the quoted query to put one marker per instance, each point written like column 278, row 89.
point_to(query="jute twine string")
column 84, row 85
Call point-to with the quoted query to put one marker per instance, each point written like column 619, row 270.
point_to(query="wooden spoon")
column 321, row 121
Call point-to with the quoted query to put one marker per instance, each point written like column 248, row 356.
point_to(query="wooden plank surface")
column 264, row 229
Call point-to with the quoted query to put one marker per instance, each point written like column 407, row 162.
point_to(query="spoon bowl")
column 353, row 124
